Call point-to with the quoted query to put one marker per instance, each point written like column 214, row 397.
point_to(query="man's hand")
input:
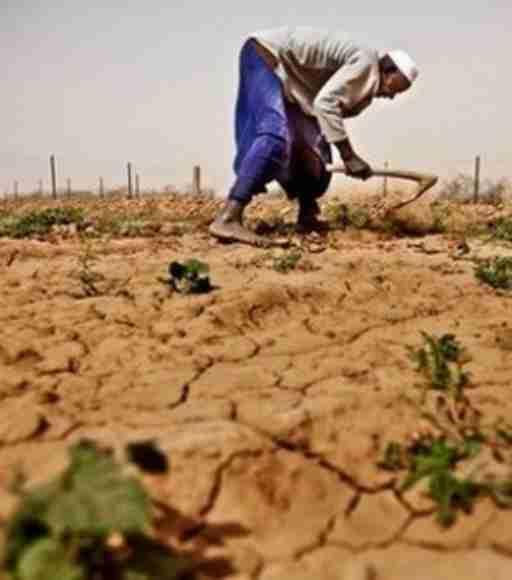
column 358, row 168
column 354, row 165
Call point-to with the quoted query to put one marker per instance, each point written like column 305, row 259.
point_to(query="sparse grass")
column 91, row 521
column 287, row 261
column 340, row 214
column 496, row 272
column 39, row 222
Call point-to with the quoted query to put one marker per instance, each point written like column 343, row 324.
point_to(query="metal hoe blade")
column 424, row 180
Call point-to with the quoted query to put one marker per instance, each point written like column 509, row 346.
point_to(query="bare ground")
column 273, row 396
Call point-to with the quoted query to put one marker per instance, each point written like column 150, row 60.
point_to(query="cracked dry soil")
column 273, row 397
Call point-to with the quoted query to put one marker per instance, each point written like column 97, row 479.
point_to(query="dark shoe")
column 309, row 211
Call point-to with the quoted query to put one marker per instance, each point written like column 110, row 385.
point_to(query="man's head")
column 397, row 73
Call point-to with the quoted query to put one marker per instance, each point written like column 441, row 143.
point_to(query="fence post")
column 137, row 185
column 15, row 190
column 130, row 190
column 54, row 177
column 101, row 190
column 68, row 183
column 385, row 182
column 40, row 187
column 476, row 193
column 196, row 180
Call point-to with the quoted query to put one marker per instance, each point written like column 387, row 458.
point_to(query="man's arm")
column 352, row 84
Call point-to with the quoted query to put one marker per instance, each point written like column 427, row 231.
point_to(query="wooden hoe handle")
column 424, row 180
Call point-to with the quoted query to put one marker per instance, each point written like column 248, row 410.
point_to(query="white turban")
column 405, row 64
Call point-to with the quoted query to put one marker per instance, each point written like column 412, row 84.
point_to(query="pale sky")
column 102, row 82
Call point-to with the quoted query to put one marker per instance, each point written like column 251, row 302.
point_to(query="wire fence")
column 478, row 177
column 131, row 184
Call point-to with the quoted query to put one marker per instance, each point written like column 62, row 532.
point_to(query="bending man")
column 297, row 85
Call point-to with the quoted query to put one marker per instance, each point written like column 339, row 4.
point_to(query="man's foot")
column 308, row 217
column 228, row 226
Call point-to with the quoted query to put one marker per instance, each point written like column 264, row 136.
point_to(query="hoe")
column 424, row 180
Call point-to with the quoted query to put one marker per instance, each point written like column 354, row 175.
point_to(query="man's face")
column 392, row 84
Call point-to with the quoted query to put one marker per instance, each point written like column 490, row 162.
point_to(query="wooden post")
column 41, row 187
column 68, row 182
column 137, row 185
column 385, row 182
column 15, row 190
column 101, row 189
column 196, row 180
column 54, row 177
column 130, row 190
column 476, row 193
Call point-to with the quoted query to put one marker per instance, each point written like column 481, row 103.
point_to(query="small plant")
column 441, row 361
column 89, row 522
column 87, row 276
column 436, row 460
column 496, row 272
column 286, row 262
column 191, row 277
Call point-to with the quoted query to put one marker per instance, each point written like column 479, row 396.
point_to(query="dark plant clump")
column 191, row 277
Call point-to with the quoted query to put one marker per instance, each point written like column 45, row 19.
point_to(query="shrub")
column 64, row 529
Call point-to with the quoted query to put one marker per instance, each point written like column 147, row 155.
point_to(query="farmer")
column 297, row 85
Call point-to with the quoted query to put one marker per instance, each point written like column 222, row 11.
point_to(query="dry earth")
column 273, row 396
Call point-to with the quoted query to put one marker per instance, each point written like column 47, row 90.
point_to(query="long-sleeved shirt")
column 325, row 73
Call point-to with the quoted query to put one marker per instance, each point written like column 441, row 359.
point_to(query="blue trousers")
column 275, row 140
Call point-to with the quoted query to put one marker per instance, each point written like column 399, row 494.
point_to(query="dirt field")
column 275, row 395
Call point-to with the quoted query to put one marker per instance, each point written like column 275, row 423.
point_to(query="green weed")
column 86, row 273
column 435, row 460
column 496, row 272
column 441, row 361
column 286, row 262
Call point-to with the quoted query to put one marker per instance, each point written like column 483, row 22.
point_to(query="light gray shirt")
column 328, row 75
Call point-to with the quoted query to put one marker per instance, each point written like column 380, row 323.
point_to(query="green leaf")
column 196, row 267
column 96, row 498
column 28, row 523
column 47, row 559
column 471, row 447
column 450, row 494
